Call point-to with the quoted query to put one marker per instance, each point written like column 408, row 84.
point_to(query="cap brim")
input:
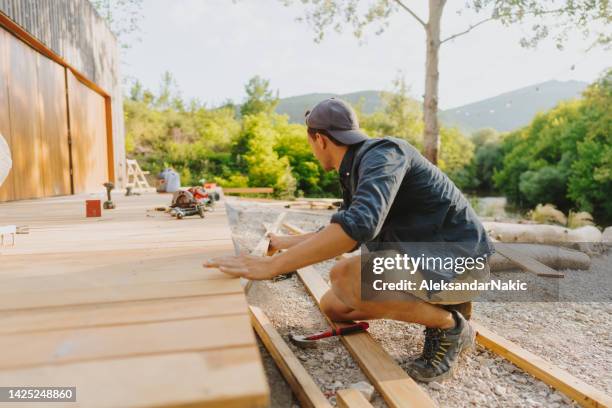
column 348, row 137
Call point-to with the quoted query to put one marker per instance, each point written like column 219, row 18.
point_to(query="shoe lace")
column 435, row 346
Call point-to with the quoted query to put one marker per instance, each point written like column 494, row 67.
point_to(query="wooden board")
column 248, row 190
column 526, row 262
column 62, row 346
column 302, row 384
column 351, row 398
column 53, row 116
column 89, row 137
column 113, row 294
column 584, row 394
column 26, row 143
column 228, row 378
column 7, row 188
column 72, row 317
column 391, row 381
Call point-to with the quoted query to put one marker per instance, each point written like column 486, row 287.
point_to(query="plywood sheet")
column 220, row 378
column 25, row 131
column 89, row 138
column 53, row 114
column 6, row 189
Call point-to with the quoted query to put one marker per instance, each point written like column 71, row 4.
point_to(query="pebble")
column 555, row 397
column 365, row 388
column 329, row 356
column 499, row 390
column 435, row 386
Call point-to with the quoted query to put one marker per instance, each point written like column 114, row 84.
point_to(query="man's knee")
column 332, row 308
column 337, row 274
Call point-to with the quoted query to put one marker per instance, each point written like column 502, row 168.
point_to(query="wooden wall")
column 7, row 188
column 75, row 32
column 47, row 115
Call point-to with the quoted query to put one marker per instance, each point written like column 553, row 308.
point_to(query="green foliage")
column 564, row 156
column 456, row 153
column 260, row 98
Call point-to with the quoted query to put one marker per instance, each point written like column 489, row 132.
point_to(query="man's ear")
column 323, row 140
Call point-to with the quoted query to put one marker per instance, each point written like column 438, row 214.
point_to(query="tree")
column 260, row 98
column 122, row 16
column 585, row 15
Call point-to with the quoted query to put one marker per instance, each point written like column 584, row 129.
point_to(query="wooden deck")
column 121, row 308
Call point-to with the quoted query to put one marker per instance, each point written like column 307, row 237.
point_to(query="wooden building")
column 60, row 99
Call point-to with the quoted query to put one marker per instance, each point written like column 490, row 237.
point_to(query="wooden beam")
column 302, row 384
column 395, row 386
column 526, row 262
column 391, row 381
column 247, row 190
column 351, row 398
column 584, row 394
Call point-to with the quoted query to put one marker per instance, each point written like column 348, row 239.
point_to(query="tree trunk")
column 431, row 137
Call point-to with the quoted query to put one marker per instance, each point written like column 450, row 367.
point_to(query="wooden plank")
column 302, row 384
column 53, row 116
column 526, row 262
column 248, row 190
column 25, row 129
column 584, row 394
column 351, row 398
column 112, row 294
column 118, row 271
column 391, row 381
column 73, row 317
column 64, row 346
column 6, row 188
column 227, row 378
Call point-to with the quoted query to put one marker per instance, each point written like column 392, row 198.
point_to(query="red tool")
column 93, row 208
column 311, row 341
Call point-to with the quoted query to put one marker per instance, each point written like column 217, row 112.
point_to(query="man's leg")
column 447, row 332
column 343, row 301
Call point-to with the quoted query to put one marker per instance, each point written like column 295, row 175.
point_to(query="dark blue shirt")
column 391, row 193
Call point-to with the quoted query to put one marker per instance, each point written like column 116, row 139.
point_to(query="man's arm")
column 326, row 244
column 278, row 242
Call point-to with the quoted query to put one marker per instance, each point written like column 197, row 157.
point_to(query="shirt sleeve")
column 381, row 172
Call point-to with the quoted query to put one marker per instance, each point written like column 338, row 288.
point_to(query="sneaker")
column 441, row 349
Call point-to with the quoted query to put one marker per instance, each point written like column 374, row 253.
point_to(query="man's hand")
column 244, row 266
column 278, row 242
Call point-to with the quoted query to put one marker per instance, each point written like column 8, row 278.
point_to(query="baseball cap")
column 338, row 118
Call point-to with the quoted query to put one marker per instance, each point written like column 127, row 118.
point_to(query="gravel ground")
column 574, row 336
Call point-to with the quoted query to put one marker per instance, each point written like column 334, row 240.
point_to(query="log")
column 541, row 233
column 552, row 256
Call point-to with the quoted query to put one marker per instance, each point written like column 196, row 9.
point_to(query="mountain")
column 296, row 106
column 511, row 110
column 504, row 112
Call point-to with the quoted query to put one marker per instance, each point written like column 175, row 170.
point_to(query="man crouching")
column 391, row 194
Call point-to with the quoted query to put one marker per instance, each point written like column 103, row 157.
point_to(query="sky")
column 213, row 47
